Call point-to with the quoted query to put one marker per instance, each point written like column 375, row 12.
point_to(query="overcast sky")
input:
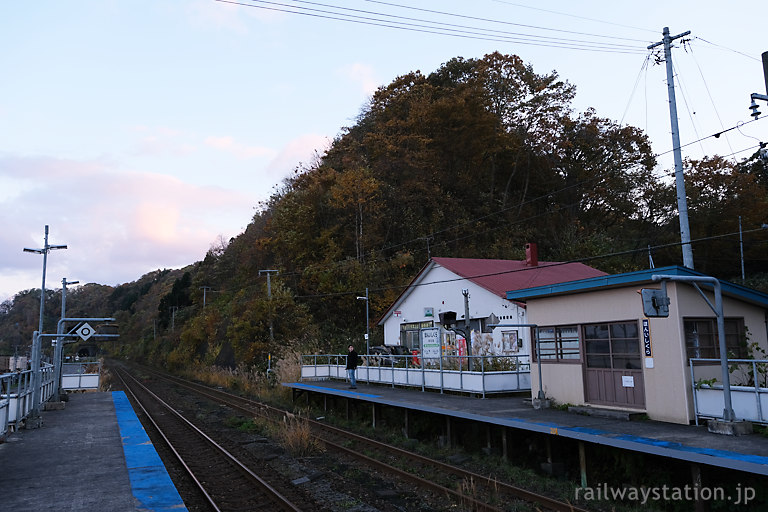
column 141, row 131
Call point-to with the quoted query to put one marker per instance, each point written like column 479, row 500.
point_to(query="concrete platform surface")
column 91, row 456
column 685, row 442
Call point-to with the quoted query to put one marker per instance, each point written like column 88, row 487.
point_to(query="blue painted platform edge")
column 669, row 445
column 299, row 385
column 152, row 487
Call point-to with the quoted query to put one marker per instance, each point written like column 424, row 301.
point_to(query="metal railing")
column 468, row 374
column 81, row 375
column 16, row 393
column 749, row 389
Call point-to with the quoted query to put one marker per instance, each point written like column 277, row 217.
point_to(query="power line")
column 505, row 22
column 467, row 33
column 574, row 16
column 547, row 265
column 729, row 49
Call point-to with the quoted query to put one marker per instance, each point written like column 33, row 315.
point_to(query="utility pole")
column 467, row 329
column 205, row 289
column 682, row 203
column 36, row 336
column 173, row 317
column 269, row 294
column 367, row 323
column 57, row 351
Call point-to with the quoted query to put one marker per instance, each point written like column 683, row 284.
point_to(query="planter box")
column 749, row 403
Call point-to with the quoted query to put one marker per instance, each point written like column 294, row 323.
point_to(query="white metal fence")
column 16, row 396
column 81, row 375
column 749, row 389
column 467, row 374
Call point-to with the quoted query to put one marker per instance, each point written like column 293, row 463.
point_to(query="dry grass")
column 296, row 436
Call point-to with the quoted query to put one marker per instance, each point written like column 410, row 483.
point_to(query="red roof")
column 501, row 276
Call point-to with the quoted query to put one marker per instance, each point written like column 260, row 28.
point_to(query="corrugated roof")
column 501, row 276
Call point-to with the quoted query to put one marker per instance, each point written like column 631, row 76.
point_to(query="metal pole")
column 35, row 374
column 741, row 250
column 57, row 352
column 728, row 414
column 269, row 294
column 35, row 340
column 367, row 325
column 467, row 330
column 682, row 203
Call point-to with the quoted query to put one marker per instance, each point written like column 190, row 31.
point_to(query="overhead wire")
column 729, row 49
column 440, row 28
column 643, row 68
column 709, row 94
column 538, row 27
column 691, row 112
column 575, row 16
column 371, row 255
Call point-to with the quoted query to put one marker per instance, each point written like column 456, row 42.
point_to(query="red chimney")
column 531, row 255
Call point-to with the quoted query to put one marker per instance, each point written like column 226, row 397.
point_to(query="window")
column 701, row 338
column 559, row 343
column 409, row 333
column 615, row 345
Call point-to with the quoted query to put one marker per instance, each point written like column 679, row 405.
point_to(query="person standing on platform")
column 352, row 367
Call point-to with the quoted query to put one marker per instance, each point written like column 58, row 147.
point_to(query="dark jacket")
column 352, row 360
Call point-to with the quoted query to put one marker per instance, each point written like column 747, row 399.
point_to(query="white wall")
column 441, row 290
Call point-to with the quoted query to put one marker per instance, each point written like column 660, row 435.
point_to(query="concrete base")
column 53, row 406
column 729, row 428
column 607, row 413
column 539, row 403
column 33, row 423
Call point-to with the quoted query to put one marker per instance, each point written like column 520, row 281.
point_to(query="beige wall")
column 666, row 374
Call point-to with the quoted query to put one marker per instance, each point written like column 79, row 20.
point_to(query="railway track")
column 226, row 483
column 471, row 490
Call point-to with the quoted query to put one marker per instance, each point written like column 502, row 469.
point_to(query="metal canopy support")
column 728, row 414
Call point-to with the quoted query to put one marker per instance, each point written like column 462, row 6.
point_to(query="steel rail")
column 168, row 443
column 282, row 500
column 253, row 406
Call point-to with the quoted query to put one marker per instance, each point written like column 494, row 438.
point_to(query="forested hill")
column 473, row 160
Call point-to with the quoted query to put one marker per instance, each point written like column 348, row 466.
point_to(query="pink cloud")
column 228, row 145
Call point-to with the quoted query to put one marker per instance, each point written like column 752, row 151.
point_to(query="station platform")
column 683, row 442
column 93, row 455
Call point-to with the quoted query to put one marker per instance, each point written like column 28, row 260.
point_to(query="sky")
column 142, row 132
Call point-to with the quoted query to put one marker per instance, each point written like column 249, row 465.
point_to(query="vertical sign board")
column 430, row 344
column 647, row 337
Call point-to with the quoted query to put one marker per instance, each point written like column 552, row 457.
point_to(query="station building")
column 438, row 288
column 598, row 348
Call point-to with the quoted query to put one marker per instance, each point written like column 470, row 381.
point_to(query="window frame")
column 740, row 348
column 558, row 348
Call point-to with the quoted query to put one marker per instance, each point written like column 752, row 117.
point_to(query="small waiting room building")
column 597, row 348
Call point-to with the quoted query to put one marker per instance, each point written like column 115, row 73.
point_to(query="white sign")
column 430, row 344
column 85, row 331
column 627, row 381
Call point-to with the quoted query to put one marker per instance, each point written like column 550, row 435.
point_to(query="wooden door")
column 613, row 365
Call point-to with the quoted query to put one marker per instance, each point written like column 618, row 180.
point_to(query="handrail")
column 384, row 369
column 755, row 368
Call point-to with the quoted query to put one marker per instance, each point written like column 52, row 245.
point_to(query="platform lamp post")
column 367, row 323
column 57, row 351
column 36, row 338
